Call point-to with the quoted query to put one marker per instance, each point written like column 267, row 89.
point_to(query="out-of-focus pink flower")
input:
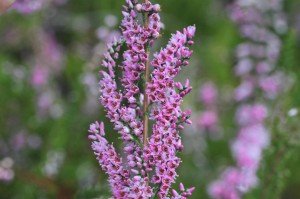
column 244, row 91
column 50, row 53
column 272, row 85
column 243, row 67
column 208, row 120
column 6, row 172
column 48, row 62
column 31, row 6
column 263, row 68
column 251, row 114
column 45, row 101
column 232, row 184
column 18, row 141
column 257, row 56
column 28, row 6
column 246, row 155
column 39, row 76
column 208, row 93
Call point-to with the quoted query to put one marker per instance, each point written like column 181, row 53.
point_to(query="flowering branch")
column 156, row 97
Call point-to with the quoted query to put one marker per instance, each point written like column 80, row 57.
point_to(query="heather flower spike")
column 257, row 60
column 150, row 154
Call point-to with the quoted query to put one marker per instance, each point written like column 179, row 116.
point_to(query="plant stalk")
column 146, row 103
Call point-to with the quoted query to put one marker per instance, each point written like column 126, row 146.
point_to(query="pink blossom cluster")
column 165, row 96
column 208, row 119
column 48, row 62
column 22, row 140
column 31, row 6
column 149, row 168
column 257, row 59
column 258, row 55
column 247, row 150
column 49, row 58
column 27, row 6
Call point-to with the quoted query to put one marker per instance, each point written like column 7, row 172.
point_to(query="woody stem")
column 146, row 103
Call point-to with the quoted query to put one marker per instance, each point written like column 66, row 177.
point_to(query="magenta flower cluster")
column 149, row 168
column 260, row 83
column 31, row 6
column 208, row 119
column 27, row 6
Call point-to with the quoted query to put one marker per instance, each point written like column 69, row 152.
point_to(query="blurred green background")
column 44, row 122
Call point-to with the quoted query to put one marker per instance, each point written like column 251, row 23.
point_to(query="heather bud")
column 174, row 192
column 190, row 31
column 179, row 85
column 181, row 187
column 138, row 7
column 156, row 8
column 186, row 83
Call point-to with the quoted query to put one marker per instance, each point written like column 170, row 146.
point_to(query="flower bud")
column 138, row 7
column 156, row 8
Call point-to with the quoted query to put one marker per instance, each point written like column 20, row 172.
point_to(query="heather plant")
column 151, row 159
column 260, row 24
column 49, row 58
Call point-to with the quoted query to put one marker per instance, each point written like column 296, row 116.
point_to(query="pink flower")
column 271, row 85
column 244, row 91
column 208, row 93
column 28, row 6
column 39, row 76
column 208, row 120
